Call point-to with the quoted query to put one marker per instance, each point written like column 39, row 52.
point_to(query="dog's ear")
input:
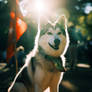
column 45, row 28
column 61, row 24
column 61, row 21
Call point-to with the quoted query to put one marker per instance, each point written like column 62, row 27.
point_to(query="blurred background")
column 78, row 57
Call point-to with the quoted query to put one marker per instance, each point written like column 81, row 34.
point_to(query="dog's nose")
column 57, row 42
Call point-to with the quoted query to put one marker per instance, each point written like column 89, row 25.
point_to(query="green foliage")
column 79, row 20
column 4, row 24
column 80, row 23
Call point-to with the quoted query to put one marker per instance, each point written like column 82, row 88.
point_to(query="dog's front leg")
column 54, row 89
column 18, row 87
column 37, row 88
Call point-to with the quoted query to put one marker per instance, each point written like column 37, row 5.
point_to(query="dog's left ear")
column 62, row 21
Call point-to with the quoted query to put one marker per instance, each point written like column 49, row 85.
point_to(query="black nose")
column 57, row 42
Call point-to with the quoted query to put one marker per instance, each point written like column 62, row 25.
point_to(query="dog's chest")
column 46, row 65
column 44, row 71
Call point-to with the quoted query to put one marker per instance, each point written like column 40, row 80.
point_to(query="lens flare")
column 39, row 5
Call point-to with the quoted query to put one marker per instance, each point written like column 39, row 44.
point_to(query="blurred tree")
column 81, row 20
column 4, row 24
column 79, row 23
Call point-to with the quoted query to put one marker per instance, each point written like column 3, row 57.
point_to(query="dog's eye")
column 59, row 33
column 49, row 33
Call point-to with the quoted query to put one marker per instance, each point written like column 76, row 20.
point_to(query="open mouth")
column 54, row 47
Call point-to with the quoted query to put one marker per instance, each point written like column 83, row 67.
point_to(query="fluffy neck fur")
column 56, row 60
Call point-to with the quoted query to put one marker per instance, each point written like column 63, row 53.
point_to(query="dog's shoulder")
column 24, row 77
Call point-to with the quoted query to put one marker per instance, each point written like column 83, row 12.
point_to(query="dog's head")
column 53, row 40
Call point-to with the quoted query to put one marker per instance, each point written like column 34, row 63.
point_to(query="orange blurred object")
column 20, row 28
column 12, row 15
column 14, row 34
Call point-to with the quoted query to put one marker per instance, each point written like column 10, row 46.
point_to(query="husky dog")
column 46, row 68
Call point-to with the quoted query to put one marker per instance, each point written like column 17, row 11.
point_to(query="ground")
column 78, row 80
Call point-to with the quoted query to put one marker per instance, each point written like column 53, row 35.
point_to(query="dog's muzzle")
column 56, row 44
